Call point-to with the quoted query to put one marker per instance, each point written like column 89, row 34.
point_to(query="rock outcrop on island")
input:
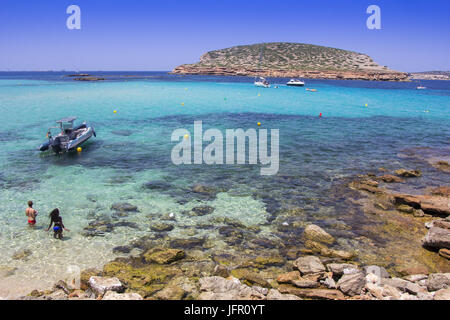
column 293, row 60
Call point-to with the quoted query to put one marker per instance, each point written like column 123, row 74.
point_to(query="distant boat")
column 262, row 82
column 312, row 90
column 420, row 87
column 295, row 83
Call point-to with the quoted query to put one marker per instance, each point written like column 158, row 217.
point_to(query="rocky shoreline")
column 310, row 279
column 309, row 74
column 163, row 268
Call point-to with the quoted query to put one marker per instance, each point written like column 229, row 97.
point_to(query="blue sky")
column 159, row 35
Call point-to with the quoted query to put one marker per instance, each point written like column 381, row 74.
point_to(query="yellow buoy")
column 182, row 103
column 366, row 104
column 259, row 124
column 259, row 94
column 115, row 111
column 186, row 136
column 79, row 149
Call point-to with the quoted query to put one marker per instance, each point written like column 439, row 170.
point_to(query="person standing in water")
column 58, row 227
column 31, row 214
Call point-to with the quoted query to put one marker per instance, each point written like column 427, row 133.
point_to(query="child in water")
column 58, row 227
column 31, row 214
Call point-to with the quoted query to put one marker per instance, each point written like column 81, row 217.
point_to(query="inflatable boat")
column 69, row 137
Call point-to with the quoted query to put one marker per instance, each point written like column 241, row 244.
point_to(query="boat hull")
column 62, row 143
column 295, row 84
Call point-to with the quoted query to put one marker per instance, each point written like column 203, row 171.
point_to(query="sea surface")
column 130, row 159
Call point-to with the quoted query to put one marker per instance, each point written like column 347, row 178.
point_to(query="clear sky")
column 159, row 35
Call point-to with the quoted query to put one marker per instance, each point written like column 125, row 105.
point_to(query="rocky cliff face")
column 290, row 60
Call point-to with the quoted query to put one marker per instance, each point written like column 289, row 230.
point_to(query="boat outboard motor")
column 56, row 145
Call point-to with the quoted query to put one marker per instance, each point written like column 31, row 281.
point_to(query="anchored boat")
column 295, row 83
column 69, row 137
column 262, row 82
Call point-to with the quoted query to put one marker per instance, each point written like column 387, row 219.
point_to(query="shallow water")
column 129, row 161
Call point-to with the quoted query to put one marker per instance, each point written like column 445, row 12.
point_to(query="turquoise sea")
column 129, row 161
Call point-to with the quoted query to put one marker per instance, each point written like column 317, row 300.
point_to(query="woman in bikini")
column 31, row 214
column 58, row 227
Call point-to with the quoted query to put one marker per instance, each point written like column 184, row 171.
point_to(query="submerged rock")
column 201, row 211
column 161, row 227
column 124, row 206
column 22, row 255
column 157, row 185
column 408, row 173
column 388, row 178
column 163, row 255
column 6, row 271
column 122, row 249
column 316, row 233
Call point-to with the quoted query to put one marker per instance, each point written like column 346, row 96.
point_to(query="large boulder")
column 309, row 264
column 352, row 284
column 102, row 284
column 316, row 233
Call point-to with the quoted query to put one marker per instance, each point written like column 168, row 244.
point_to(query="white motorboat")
column 262, row 82
column 295, row 83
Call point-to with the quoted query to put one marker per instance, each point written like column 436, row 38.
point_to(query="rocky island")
column 292, row 60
